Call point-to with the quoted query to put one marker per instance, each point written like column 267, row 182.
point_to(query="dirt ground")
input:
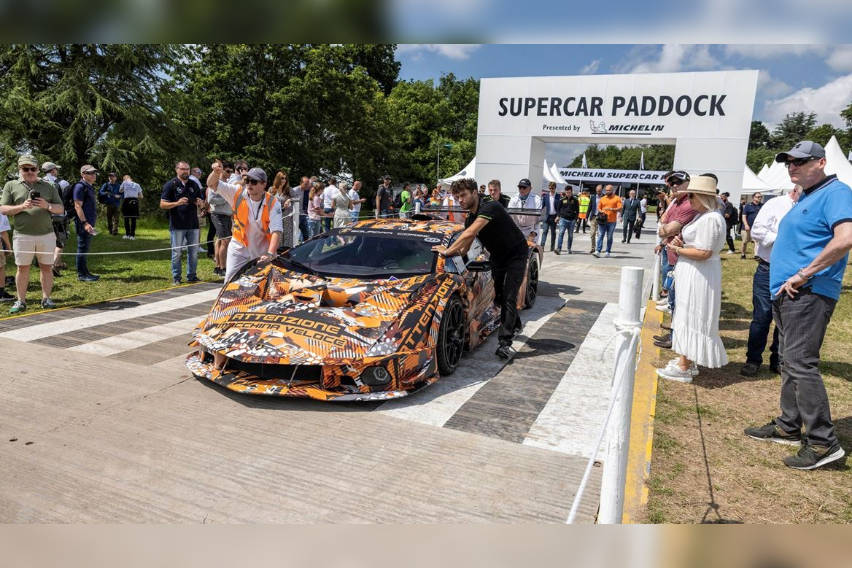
column 705, row 470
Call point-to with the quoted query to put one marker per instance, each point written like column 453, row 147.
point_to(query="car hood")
column 275, row 315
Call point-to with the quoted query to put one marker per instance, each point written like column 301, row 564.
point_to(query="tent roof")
column 469, row 171
column 777, row 177
column 753, row 183
column 837, row 163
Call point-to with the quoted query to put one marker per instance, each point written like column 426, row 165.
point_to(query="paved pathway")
column 102, row 393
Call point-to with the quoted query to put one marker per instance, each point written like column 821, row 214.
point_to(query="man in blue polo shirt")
column 805, row 275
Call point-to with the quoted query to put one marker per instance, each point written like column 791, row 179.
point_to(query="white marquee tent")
column 752, row 183
column 836, row 162
column 469, row 171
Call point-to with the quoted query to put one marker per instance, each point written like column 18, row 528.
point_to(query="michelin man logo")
column 599, row 128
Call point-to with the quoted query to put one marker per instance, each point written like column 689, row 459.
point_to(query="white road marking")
column 133, row 339
column 571, row 420
column 437, row 403
column 43, row 330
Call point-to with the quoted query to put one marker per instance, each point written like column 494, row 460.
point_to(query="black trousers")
column 211, row 236
column 508, row 277
column 801, row 323
column 130, row 226
column 729, row 239
column 627, row 225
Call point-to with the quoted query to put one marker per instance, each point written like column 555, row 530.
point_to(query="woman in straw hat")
column 698, row 284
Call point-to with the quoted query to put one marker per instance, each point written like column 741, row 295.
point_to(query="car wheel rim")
column 532, row 283
column 454, row 338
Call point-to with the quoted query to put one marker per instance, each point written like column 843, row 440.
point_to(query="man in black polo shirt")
column 505, row 242
column 182, row 198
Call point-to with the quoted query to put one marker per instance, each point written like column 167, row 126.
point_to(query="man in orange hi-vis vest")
column 258, row 222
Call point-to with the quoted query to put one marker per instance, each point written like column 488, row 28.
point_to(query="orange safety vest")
column 241, row 217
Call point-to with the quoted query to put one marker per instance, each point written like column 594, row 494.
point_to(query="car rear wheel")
column 532, row 283
column 451, row 336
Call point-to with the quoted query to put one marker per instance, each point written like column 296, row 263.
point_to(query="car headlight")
column 375, row 376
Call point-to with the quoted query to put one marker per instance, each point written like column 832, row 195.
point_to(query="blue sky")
column 799, row 77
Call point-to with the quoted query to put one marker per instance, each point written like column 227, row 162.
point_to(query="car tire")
column 532, row 283
column 451, row 336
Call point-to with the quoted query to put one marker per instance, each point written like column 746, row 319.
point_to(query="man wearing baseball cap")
column 29, row 202
column 258, row 220
column 526, row 199
column 60, row 222
column 805, row 279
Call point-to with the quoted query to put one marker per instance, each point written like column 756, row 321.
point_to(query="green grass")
column 121, row 275
column 750, row 484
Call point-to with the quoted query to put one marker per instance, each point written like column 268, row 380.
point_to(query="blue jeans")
column 606, row 229
column 354, row 216
column 327, row 222
column 304, row 231
column 184, row 238
column 314, row 227
column 666, row 269
column 565, row 225
column 84, row 240
column 758, row 331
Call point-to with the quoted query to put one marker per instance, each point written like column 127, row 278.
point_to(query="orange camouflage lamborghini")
column 364, row 312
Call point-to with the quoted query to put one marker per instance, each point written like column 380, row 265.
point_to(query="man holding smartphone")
column 29, row 202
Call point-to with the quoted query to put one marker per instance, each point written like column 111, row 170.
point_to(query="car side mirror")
column 479, row 266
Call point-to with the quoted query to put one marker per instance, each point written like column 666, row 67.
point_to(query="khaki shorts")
column 747, row 236
column 27, row 246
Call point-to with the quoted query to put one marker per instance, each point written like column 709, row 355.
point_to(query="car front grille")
column 263, row 371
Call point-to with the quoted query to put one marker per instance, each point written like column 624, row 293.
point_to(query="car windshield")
column 366, row 253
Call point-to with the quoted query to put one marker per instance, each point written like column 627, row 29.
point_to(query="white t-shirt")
column 4, row 225
column 643, row 205
column 132, row 190
column 328, row 196
column 254, row 232
column 532, row 201
column 764, row 230
column 353, row 195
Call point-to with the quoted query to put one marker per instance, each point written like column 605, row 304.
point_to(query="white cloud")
column 591, row 68
column 769, row 51
column 770, row 87
column 841, row 58
column 671, row 58
column 826, row 101
column 456, row 51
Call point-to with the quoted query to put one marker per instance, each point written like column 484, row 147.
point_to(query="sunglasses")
column 242, row 169
column 799, row 162
column 252, row 182
column 90, row 172
column 229, row 171
column 26, row 169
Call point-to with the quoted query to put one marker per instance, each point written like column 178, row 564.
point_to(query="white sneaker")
column 607, row 255
column 676, row 374
column 732, row 252
column 596, row 254
column 674, row 364
column 125, row 237
column 664, row 308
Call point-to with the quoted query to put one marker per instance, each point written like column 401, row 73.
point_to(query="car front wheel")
column 451, row 336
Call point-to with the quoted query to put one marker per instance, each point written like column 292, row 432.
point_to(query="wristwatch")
column 801, row 272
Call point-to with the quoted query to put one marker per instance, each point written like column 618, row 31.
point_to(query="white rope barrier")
column 628, row 326
column 631, row 332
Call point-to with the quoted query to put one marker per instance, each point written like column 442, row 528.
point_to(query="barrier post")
column 658, row 267
column 628, row 326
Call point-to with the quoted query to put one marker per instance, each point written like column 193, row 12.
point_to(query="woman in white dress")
column 342, row 205
column 698, row 285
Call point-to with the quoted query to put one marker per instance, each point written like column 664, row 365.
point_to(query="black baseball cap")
column 679, row 176
column 524, row 183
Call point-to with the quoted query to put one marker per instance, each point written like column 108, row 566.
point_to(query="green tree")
column 793, row 128
column 96, row 103
column 757, row 157
column 823, row 133
column 759, row 135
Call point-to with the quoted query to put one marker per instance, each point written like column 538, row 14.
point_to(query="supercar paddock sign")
column 705, row 115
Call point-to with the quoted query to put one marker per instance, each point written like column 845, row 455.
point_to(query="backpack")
column 103, row 197
column 68, row 201
column 397, row 201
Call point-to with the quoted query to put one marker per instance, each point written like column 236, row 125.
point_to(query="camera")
column 34, row 194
